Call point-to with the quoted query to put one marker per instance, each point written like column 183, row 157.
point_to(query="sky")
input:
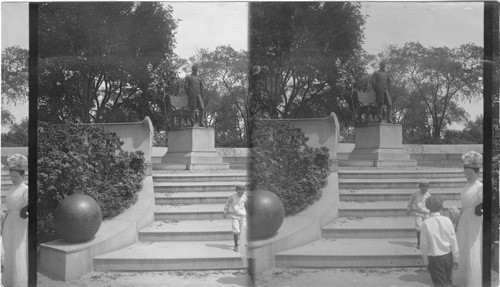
column 205, row 25
column 431, row 24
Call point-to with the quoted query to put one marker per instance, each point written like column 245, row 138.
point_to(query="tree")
column 17, row 136
column 227, row 101
column 412, row 114
column 14, row 75
column 471, row 134
column 165, row 83
column 7, row 119
column 14, row 91
column 95, row 59
column 301, row 57
column 438, row 77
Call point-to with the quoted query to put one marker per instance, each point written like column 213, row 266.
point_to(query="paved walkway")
column 225, row 278
column 361, row 277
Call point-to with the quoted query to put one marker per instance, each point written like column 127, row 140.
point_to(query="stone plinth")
column 192, row 148
column 380, row 145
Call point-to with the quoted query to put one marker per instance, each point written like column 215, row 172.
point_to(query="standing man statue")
column 194, row 91
column 382, row 86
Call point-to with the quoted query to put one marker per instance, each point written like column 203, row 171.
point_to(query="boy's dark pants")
column 440, row 268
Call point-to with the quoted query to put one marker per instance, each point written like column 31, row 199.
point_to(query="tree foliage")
column 165, row 82
column 17, row 136
column 224, row 72
column 472, row 133
column 429, row 83
column 8, row 119
column 95, row 59
column 302, row 56
column 14, row 91
column 14, row 75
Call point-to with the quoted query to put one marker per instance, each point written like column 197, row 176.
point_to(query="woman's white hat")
column 472, row 159
column 17, row 162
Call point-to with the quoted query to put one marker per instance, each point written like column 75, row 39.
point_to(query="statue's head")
column 194, row 69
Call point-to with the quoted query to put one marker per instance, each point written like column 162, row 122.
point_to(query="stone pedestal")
column 191, row 148
column 380, row 145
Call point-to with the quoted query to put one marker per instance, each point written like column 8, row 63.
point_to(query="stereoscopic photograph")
column 250, row 144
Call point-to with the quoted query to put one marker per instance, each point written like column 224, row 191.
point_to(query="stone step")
column 189, row 212
column 370, row 227
column 353, row 252
column 201, row 177
column 162, row 256
column 196, row 186
column 380, row 208
column 399, row 183
column 394, row 194
column 390, row 174
column 210, row 197
column 187, row 230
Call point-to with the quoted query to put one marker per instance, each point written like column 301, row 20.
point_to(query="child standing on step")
column 235, row 206
column 439, row 244
column 417, row 205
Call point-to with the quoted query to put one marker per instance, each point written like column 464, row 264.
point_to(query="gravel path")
column 277, row 277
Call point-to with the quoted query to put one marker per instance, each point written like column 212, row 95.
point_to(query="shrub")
column 160, row 139
column 281, row 162
column 88, row 160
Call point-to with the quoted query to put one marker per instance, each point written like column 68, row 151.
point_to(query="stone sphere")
column 77, row 218
column 265, row 214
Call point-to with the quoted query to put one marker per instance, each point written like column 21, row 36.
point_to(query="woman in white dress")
column 15, row 227
column 470, row 226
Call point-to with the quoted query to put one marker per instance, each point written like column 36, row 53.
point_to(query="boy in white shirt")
column 235, row 206
column 417, row 205
column 439, row 244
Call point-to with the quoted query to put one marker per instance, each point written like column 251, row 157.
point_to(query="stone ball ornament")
column 77, row 218
column 265, row 214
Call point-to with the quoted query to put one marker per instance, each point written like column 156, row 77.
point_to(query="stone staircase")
column 373, row 229
column 189, row 231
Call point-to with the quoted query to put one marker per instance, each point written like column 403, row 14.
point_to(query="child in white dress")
column 235, row 207
column 417, row 206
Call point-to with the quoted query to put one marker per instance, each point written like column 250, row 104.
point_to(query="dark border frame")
column 32, row 142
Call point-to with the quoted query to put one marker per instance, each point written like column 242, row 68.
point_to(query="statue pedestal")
column 191, row 148
column 379, row 145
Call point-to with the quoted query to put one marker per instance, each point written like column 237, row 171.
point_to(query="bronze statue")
column 194, row 90
column 382, row 86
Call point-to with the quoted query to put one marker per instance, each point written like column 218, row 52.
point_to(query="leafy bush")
column 160, row 139
column 281, row 162
column 88, row 160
